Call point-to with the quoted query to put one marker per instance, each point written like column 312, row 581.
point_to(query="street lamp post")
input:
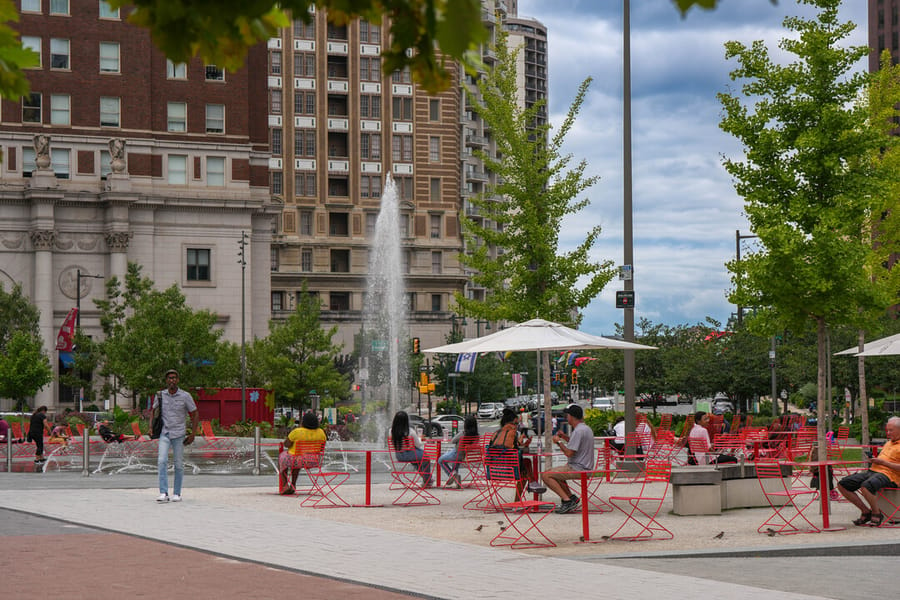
column 243, row 262
column 78, row 278
column 479, row 323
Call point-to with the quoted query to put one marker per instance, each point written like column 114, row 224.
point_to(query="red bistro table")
column 823, row 486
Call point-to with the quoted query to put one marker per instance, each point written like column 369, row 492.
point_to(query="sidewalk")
column 438, row 551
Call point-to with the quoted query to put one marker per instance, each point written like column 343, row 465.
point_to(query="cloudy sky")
column 685, row 208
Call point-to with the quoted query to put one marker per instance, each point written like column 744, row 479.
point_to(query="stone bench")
column 710, row 489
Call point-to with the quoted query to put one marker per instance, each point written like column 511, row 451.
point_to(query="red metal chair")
column 783, row 499
column 595, row 503
column 641, row 511
column 470, row 460
column 524, row 516
column 324, row 492
column 665, row 422
column 407, row 478
column 481, row 500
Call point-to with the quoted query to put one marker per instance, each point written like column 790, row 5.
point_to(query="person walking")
column 177, row 405
column 36, row 433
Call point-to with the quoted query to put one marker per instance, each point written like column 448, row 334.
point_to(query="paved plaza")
column 233, row 537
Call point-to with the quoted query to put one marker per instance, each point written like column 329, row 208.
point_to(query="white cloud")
column 685, row 209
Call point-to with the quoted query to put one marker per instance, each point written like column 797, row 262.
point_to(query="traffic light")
column 415, row 345
column 574, row 376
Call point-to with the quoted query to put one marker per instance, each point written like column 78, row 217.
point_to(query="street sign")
column 624, row 299
column 379, row 345
column 625, row 273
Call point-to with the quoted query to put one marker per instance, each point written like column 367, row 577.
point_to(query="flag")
column 66, row 336
column 517, row 379
column 465, row 362
column 571, row 358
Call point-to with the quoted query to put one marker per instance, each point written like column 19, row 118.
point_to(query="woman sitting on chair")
column 450, row 460
column 293, row 460
column 401, row 430
column 508, row 436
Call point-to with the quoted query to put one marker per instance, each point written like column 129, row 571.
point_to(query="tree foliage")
column 523, row 212
column 298, row 357
column 24, row 365
column 811, row 181
column 149, row 331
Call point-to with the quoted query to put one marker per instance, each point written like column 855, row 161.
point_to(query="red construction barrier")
column 224, row 404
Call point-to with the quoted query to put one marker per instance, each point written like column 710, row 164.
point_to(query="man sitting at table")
column 883, row 472
column 699, row 434
column 579, row 449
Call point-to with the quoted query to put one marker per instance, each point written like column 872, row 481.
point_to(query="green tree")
column 536, row 190
column 149, row 331
column 24, row 367
column 810, row 184
column 298, row 357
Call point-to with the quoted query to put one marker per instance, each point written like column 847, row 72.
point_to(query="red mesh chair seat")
column 406, row 477
column 787, row 503
column 503, row 473
column 641, row 511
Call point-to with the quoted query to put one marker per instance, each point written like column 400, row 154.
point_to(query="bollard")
column 86, row 453
column 257, row 449
column 9, row 451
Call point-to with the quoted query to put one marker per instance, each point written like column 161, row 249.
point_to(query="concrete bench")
column 710, row 489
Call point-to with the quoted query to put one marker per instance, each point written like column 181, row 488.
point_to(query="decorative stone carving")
column 117, row 155
column 42, row 151
column 16, row 242
column 117, row 241
column 42, row 239
column 68, row 282
column 63, row 242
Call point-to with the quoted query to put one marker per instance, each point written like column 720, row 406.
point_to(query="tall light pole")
column 242, row 260
column 78, row 278
column 628, row 236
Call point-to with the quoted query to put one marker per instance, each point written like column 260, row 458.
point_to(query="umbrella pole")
column 544, row 358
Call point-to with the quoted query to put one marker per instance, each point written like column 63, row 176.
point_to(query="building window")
column 198, row 264
column 33, row 43
column 401, row 76
column 404, row 226
column 215, row 118
column 436, row 263
column 305, row 184
column 273, row 258
column 404, row 187
column 401, row 147
column 339, row 224
column 275, row 102
column 434, row 149
column 370, row 68
column 306, row 220
column 176, row 70
column 177, row 169
column 339, row 301
column 109, row 57
column 214, row 73
column 59, row 7
column 404, row 265
column 401, row 108
column 107, row 12
column 370, row 146
column 435, row 225
column 304, row 64
column 340, row 260
column 434, row 109
column 305, row 103
column 275, row 63
column 31, row 108
column 277, row 301
column 305, row 142
column 435, row 303
column 110, row 112
column 105, row 166
column 28, row 162
column 337, row 32
column 276, row 142
column 371, row 219
column 305, row 30
column 215, row 171
column 306, row 263
column 434, row 192
column 277, row 183
column 370, row 106
column 177, row 116
column 59, row 109
column 370, row 186
column 369, row 32
column 59, row 53
column 31, row 6
column 59, row 161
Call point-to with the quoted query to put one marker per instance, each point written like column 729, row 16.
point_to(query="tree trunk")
column 863, row 398
column 820, row 389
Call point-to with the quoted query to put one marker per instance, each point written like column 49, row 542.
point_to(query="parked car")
column 449, row 422
column 490, row 410
column 428, row 428
column 604, row 403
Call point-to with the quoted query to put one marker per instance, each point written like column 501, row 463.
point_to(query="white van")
column 604, row 403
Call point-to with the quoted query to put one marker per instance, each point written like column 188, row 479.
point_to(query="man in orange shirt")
column 883, row 472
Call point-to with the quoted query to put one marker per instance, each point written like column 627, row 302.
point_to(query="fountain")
column 385, row 314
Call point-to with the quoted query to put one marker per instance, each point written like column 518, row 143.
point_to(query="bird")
column 719, row 535
column 580, row 538
column 604, row 537
column 770, row 532
column 479, row 528
column 500, row 522
column 502, row 528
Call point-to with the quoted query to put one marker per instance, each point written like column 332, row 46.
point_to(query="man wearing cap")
column 177, row 404
column 579, row 449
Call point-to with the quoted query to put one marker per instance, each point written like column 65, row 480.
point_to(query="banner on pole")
column 465, row 362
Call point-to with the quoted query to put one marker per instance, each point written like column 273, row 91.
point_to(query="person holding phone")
column 509, row 436
column 579, row 450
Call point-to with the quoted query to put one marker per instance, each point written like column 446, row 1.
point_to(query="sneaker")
column 176, row 497
column 162, row 498
column 564, row 507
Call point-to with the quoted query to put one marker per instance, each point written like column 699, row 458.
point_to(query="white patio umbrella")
column 875, row 347
column 540, row 336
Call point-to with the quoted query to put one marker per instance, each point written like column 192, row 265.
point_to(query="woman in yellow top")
column 297, row 456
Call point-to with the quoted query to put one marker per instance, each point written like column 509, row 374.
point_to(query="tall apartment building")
column 118, row 156
column 337, row 129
